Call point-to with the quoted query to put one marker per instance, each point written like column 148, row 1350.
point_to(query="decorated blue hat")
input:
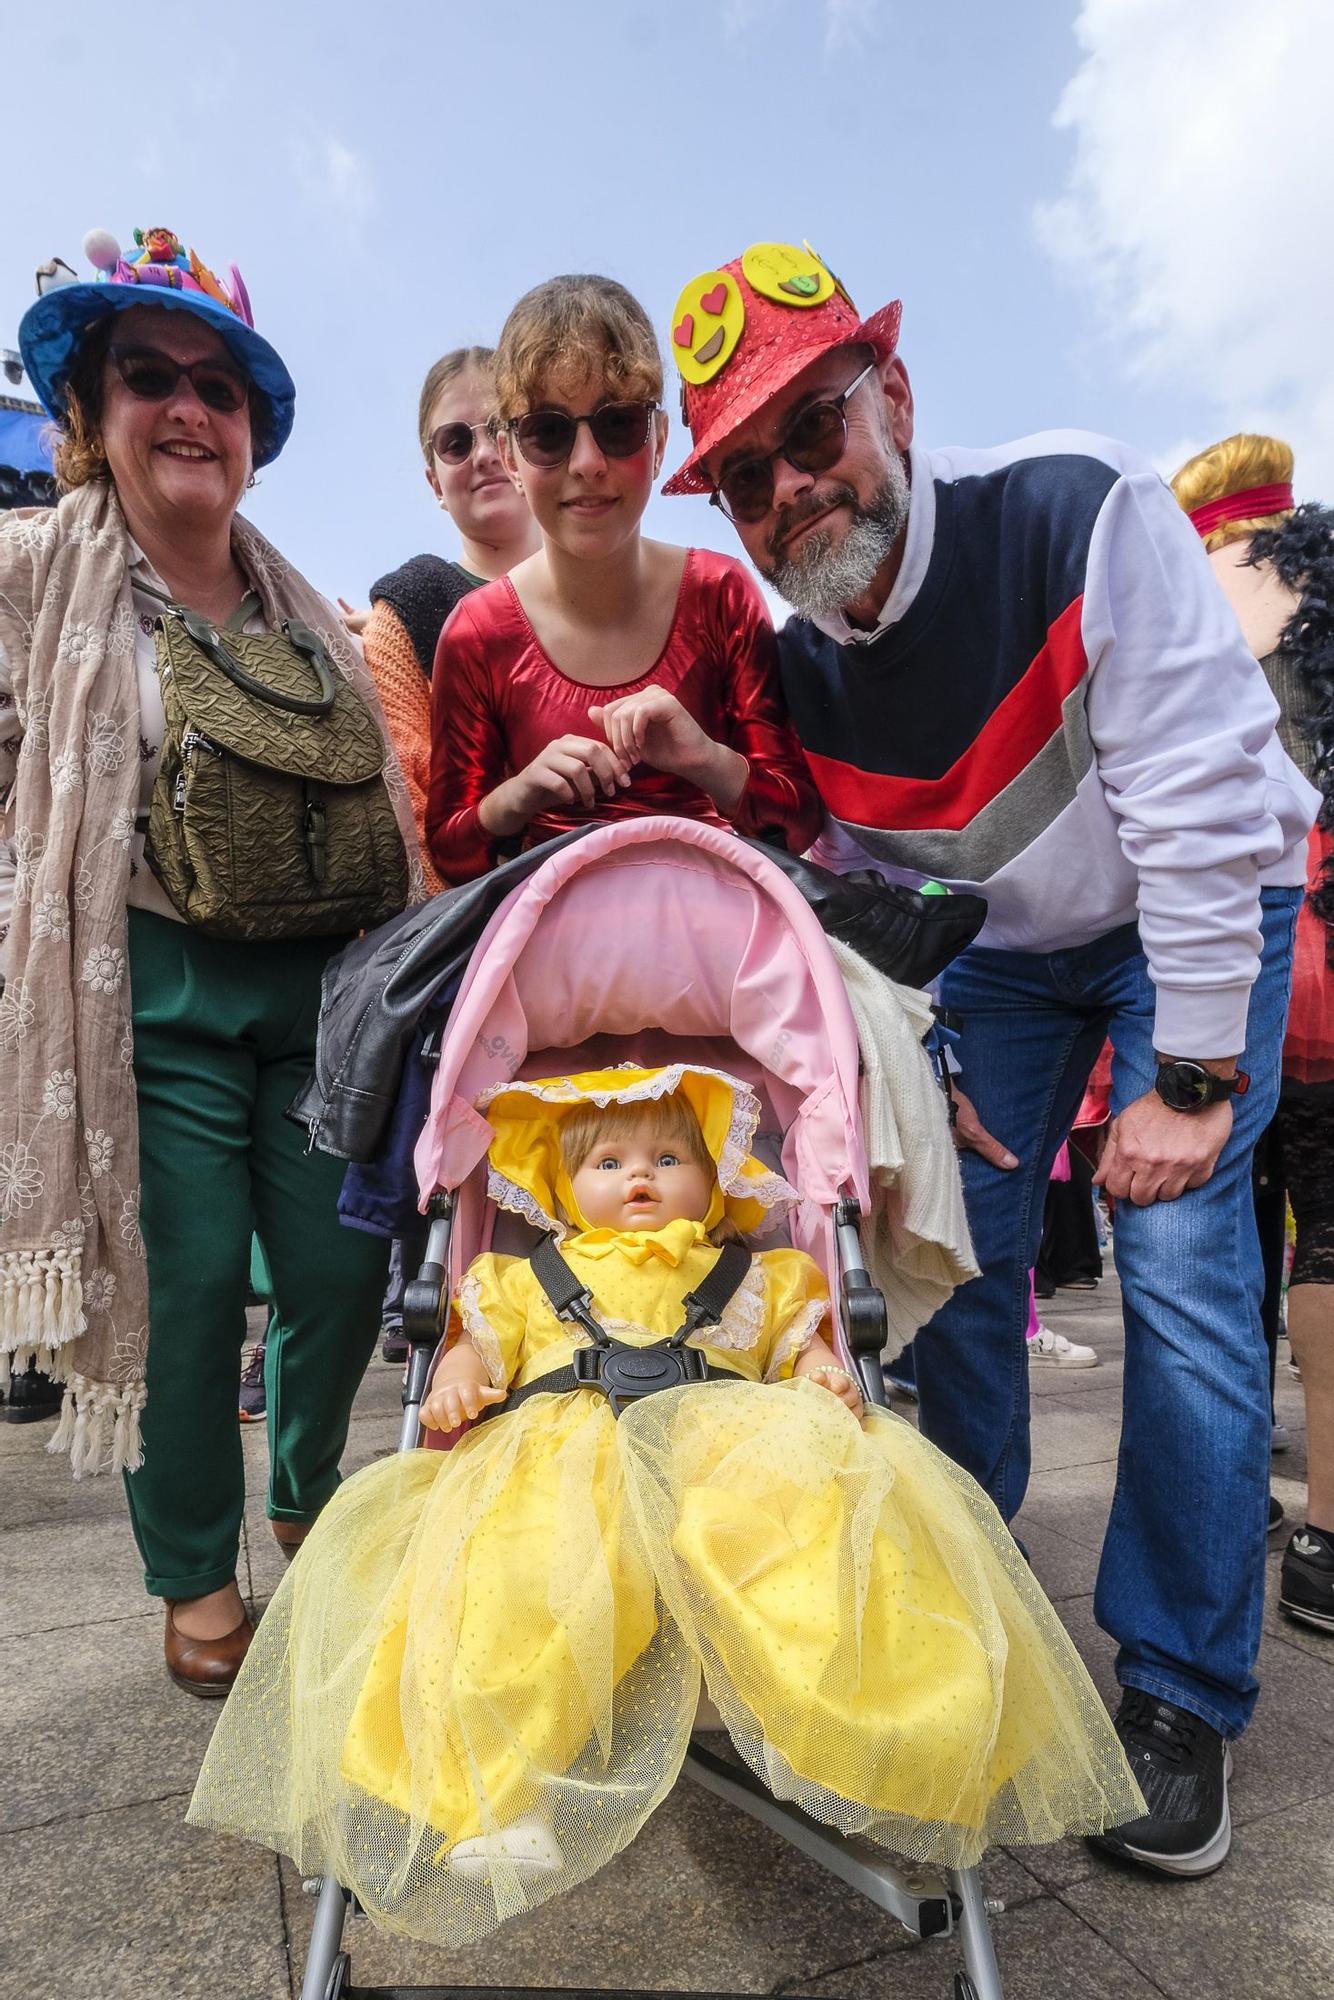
column 163, row 274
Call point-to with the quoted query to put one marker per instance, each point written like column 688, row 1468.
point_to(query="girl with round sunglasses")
column 410, row 604
column 607, row 675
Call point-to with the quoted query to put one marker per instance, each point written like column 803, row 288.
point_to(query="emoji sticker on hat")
column 709, row 320
column 789, row 275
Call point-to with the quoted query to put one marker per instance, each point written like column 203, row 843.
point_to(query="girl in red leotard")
column 607, row 675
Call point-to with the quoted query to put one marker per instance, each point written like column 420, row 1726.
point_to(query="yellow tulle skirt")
column 517, row 1633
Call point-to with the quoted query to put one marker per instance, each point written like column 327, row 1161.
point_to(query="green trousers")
column 224, row 1034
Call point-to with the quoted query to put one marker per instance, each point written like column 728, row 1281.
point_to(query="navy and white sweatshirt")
column 1058, row 709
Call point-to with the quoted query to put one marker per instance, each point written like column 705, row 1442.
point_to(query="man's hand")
column 972, row 1136
column 1155, row 1154
column 355, row 617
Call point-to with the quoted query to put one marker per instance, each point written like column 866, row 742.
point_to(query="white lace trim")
column 775, row 1195
column 522, row 1201
column 742, row 1324
column 796, row 1337
column 479, row 1329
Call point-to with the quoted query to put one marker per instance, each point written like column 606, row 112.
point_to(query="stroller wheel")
column 339, row 1976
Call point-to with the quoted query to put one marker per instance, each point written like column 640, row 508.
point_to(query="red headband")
column 1253, row 503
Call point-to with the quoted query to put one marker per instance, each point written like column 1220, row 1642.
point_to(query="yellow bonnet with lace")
column 527, row 1172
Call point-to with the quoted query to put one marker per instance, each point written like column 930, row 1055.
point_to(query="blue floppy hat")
column 163, row 274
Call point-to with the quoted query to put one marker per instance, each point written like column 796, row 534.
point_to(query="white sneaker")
column 1053, row 1350
column 529, row 1846
column 1280, row 1439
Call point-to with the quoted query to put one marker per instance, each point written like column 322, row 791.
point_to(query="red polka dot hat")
column 740, row 333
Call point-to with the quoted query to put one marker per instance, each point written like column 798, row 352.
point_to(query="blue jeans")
column 1181, row 1580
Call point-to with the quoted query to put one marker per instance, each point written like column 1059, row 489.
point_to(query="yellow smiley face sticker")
column 787, row 273
column 708, row 322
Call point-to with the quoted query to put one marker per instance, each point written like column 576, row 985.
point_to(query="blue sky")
column 390, row 178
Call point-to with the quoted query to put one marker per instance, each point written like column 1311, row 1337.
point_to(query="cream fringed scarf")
column 73, row 1282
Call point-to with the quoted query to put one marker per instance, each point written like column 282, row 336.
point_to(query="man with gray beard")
column 1012, row 670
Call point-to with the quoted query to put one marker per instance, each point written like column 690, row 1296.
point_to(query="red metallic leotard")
column 497, row 701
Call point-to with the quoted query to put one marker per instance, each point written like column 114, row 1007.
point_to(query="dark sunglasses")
column 546, row 437
column 815, row 442
column 152, row 375
column 456, row 442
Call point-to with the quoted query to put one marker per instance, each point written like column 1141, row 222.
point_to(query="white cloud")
column 333, row 177
column 848, row 24
column 1198, row 210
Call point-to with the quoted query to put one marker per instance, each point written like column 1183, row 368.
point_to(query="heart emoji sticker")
column 709, row 320
column 789, row 274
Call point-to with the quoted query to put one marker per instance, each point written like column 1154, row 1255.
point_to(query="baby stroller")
column 656, row 941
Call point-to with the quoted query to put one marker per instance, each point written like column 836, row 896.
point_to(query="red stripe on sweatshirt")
column 1007, row 743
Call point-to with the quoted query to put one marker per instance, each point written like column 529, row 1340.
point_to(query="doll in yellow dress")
column 480, row 1676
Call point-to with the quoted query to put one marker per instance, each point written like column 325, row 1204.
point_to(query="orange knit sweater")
column 405, row 696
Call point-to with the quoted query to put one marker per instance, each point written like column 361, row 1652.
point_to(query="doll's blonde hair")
column 670, row 1119
column 576, row 322
column 1248, row 458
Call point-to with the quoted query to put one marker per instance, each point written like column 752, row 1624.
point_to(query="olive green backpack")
column 270, row 817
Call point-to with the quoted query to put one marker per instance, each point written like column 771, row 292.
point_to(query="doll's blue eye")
column 610, row 1161
column 669, row 1159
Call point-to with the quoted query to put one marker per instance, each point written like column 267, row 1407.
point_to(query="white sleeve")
column 1182, row 722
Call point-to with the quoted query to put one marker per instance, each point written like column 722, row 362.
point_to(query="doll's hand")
column 819, row 1364
column 454, row 1404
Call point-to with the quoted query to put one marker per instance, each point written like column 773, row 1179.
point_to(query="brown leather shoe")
column 206, row 1667
column 289, row 1536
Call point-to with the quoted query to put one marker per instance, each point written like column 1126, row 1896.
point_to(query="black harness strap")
column 622, row 1372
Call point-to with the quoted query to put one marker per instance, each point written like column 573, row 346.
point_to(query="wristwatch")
column 1189, row 1086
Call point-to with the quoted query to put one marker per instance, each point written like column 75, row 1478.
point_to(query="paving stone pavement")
column 110, row 1896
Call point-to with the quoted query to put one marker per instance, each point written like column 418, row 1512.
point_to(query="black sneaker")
column 1182, row 1765
column 32, row 1396
column 394, row 1346
column 1306, row 1580
column 1276, row 1514
column 251, row 1406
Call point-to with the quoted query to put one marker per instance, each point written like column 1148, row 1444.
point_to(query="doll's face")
column 639, row 1180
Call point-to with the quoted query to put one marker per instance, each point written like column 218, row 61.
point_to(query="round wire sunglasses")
column 455, row 443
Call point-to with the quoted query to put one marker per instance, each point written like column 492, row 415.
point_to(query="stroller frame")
column 928, row 1903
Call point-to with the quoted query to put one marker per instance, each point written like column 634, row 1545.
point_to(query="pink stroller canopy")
column 670, row 936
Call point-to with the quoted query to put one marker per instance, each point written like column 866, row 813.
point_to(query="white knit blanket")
column 916, row 1238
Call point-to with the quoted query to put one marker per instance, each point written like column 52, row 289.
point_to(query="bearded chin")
column 830, row 572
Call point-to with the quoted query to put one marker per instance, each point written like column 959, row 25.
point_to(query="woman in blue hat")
column 146, row 1064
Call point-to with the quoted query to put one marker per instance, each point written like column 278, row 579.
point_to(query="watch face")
column 1185, row 1086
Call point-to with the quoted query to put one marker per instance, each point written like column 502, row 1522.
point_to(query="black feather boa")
column 1302, row 554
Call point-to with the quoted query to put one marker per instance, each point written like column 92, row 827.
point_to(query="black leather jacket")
column 377, row 988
